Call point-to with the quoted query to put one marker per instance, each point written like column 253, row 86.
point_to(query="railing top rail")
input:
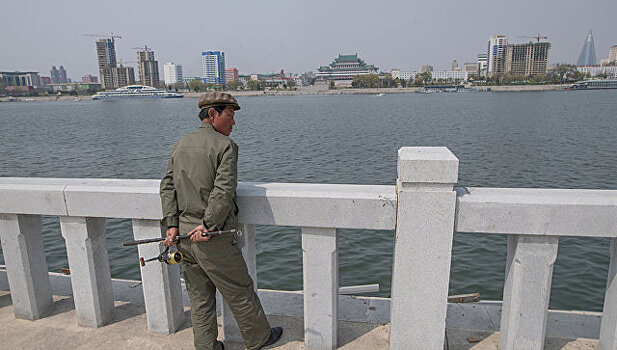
column 563, row 212
column 293, row 204
column 532, row 211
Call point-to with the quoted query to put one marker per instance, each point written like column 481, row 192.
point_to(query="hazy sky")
column 298, row 36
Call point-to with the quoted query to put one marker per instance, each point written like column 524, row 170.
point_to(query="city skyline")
column 300, row 37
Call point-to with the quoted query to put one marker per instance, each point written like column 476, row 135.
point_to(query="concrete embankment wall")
column 321, row 91
column 513, row 88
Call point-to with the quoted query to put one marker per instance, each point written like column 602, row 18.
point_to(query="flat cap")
column 212, row 99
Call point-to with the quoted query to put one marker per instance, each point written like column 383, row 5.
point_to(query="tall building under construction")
column 112, row 76
column 106, row 54
column 148, row 67
column 527, row 59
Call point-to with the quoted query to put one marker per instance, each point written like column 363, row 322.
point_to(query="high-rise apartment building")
column 172, row 73
column 527, row 59
column 455, row 66
column 148, row 67
column 496, row 54
column 58, row 76
column 587, row 57
column 231, row 74
column 213, row 67
column 106, row 54
column 482, row 64
column 612, row 54
column 54, row 74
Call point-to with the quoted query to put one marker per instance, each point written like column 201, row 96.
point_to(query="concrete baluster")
column 160, row 282
column 320, row 278
column 608, row 330
column 246, row 242
column 527, row 290
column 89, row 265
column 423, row 246
column 25, row 265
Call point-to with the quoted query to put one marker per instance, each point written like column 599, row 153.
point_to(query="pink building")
column 89, row 79
column 231, row 74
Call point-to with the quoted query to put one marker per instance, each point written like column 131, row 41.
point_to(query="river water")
column 555, row 139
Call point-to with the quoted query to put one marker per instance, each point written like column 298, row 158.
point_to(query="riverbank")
column 313, row 90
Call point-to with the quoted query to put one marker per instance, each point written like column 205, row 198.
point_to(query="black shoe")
column 221, row 344
column 275, row 335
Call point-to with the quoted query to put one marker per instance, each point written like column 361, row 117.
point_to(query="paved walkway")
column 59, row 330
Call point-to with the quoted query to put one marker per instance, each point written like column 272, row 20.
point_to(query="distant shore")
column 314, row 91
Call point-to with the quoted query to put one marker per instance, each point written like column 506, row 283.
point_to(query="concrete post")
column 320, row 279
column 608, row 329
column 161, row 283
column 26, row 267
column 246, row 242
column 90, row 276
column 527, row 290
column 423, row 246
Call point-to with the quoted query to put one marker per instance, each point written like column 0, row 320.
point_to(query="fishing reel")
column 175, row 256
column 168, row 257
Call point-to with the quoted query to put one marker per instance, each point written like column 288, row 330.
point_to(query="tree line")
column 561, row 74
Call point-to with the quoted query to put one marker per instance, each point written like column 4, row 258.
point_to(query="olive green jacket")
column 200, row 184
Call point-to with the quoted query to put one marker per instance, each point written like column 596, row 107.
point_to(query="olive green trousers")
column 218, row 264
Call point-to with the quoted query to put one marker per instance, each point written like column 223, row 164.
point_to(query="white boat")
column 135, row 91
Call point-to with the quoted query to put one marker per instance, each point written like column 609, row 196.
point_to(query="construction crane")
column 112, row 36
column 538, row 37
column 145, row 48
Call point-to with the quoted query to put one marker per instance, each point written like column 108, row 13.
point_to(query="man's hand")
column 196, row 234
column 170, row 240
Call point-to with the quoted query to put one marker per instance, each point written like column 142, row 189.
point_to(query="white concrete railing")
column 534, row 219
column 422, row 209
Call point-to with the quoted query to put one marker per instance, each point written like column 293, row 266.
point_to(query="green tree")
column 368, row 80
column 212, row 86
column 196, row 86
column 291, row 83
column 254, row 85
column 332, row 85
column 388, row 82
column 563, row 73
column 2, row 86
column 423, row 78
column 234, row 85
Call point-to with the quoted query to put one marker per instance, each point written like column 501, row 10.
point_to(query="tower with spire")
column 587, row 57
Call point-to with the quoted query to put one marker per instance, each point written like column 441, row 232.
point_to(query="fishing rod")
column 153, row 240
column 173, row 257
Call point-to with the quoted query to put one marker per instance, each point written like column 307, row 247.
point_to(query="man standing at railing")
column 198, row 194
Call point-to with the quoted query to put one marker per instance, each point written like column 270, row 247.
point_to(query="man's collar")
column 206, row 125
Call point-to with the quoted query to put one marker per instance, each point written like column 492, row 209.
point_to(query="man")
column 198, row 194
